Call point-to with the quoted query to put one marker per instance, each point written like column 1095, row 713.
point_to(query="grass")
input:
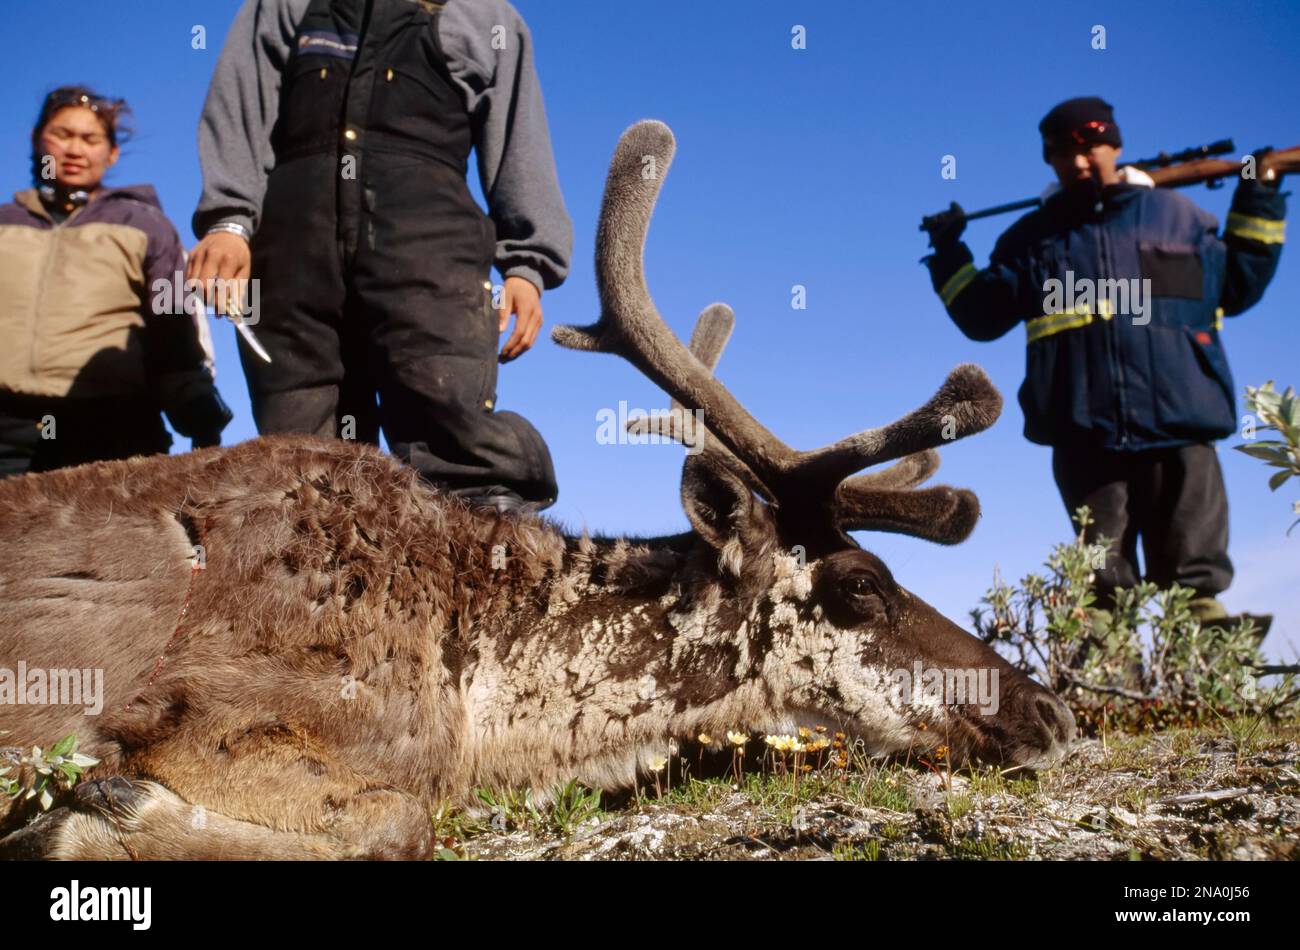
column 1248, row 735
column 989, row 848
column 568, row 808
column 1135, row 799
column 782, row 796
column 939, row 812
column 880, row 788
column 991, row 781
column 856, row 851
column 699, row 794
column 959, row 805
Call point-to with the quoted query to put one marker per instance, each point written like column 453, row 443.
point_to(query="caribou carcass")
column 304, row 649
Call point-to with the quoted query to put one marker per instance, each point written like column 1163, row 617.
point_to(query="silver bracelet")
column 231, row 227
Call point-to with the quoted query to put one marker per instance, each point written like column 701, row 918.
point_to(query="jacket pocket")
column 407, row 102
column 1191, row 382
column 1175, row 270
column 1053, row 399
column 311, row 101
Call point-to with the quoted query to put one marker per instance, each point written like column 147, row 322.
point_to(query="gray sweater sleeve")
column 490, row 56
column 240, row 111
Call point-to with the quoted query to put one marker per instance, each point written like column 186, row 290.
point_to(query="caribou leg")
column 120, row 819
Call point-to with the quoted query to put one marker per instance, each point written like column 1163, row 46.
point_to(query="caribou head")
column 779, row 580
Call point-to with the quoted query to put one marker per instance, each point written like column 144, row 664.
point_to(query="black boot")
column 500, row 499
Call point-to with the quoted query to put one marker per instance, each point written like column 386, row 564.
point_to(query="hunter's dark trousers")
column 84, row 429
column 372, row 258
column 403, row 337
column 1172, row 499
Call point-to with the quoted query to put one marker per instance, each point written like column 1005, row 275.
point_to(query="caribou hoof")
column 112, row 794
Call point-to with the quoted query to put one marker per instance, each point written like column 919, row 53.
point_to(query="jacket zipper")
column 38, row 324
column 56, row 228
column 1117, row 361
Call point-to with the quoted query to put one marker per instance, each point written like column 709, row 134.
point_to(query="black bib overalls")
column 372, row 257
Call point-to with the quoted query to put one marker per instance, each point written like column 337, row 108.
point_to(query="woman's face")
column 76, row 139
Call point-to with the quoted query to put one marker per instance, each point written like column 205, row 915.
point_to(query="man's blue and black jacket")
column 1098, row 376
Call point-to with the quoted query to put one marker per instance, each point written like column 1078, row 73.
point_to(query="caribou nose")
column 1055, row 723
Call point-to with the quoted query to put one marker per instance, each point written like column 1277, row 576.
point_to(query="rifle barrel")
column 1164, row 159
column 1003, row 209
column 986, row 212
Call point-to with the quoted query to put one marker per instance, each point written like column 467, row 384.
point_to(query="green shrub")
column 1147, row 661
column 1280, row 413
column 49, row 772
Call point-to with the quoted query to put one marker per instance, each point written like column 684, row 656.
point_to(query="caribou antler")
column 877, row 501
column 712, row 331
column 907, row 472
column 883, row 501
column 805, row 486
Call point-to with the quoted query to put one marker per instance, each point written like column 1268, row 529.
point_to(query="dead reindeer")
column 304, row 648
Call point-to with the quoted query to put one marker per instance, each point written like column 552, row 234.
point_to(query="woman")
column 91, row 347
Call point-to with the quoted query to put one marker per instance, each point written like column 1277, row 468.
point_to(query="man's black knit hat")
column 1077, row 123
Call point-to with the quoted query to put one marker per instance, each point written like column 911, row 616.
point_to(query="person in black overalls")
column 373, row 260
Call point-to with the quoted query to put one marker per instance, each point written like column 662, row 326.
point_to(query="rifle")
column 1211, row 170
column 1191, row 166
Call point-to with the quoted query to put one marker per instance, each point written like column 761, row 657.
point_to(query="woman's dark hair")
column 113, row 115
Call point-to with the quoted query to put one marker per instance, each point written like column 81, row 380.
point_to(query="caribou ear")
column 718, row 503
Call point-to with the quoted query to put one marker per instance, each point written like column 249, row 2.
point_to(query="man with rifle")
column 1130, row 402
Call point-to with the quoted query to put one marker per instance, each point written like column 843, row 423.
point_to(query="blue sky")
column 807, row 167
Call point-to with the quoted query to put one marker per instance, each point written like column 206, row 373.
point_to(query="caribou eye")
column 853, row 589
column 860, row 585
column 862, row 595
